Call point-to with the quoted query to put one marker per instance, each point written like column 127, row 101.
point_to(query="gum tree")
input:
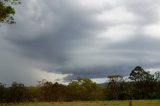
column 7, row 11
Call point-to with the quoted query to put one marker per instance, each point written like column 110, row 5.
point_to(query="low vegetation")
column 140, row 85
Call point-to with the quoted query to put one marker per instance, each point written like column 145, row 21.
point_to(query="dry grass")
column 95, row 103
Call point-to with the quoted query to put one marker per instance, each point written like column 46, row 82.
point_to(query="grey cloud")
column 61, row 37
column 146, row 10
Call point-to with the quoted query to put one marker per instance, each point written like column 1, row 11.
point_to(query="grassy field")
column 96, row 103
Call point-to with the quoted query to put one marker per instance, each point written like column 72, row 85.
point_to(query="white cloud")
column 118, row 33
column 100, row 80
column 49, row 76
column 118, row 15
column 94, row 4
column 153, row 30
column 152, row 70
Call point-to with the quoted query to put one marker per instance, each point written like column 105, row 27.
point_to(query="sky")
column 60, row 40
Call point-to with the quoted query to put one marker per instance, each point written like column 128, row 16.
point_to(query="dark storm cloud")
column 64, row 36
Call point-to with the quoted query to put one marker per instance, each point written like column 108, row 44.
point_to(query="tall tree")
column 116, row 87
column 144, row 83
column 139, row 74
column 2, row 92
column 17, row 93
column 84, row 89
column 52, row 92
column 157, row 75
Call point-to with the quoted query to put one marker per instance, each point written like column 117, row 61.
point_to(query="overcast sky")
column 60, row 40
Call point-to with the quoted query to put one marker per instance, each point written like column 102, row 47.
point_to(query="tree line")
column 140, row 85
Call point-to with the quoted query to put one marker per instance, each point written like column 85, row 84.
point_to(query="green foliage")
column 2, row 92
column 17, row 93
column 84, row 89
column 117, row 89
column 157, row 75
column 142, row 85
column 7, row 11
column 139, row 75
column 52, row 92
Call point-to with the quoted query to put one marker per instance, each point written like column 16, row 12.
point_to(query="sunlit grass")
column 92, row 103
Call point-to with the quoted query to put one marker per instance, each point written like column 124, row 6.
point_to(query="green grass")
column 96, row 103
